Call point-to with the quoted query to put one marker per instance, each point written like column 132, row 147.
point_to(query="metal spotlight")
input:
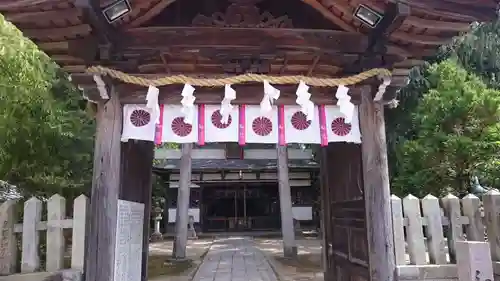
column 116, row 10
column 367, row 15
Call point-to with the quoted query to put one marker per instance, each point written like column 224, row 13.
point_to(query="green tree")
column 399, row 121
column 479, row 52
column 45, row 136
column 457, row 134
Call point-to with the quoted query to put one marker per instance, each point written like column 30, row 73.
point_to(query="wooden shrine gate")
column 147, row 39
column 355, row 199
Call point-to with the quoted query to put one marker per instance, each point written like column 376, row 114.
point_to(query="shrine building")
column 242, row 88
column 235, row 188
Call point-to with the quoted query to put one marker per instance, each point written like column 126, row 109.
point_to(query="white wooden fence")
column 425, row 232
column 30, row 230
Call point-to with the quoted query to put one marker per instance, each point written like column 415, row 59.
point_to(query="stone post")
column 287, row 228
column 182, row 215
column 474, row 261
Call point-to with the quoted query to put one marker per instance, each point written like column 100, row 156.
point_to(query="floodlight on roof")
column 116, row 10
column 367, row 15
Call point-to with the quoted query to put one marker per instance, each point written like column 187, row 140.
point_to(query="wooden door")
column 344, row 222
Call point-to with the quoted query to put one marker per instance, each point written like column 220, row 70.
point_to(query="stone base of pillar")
column 290, row 252
column 156, row 237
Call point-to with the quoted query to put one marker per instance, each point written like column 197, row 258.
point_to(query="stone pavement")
column 194, row 249
column 309, row 251
column 234, row 259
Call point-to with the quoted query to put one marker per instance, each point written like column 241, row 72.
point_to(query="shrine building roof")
column 201, row 165
column 323, row 38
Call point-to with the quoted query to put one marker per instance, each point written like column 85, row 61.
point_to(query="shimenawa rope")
column 249, row 77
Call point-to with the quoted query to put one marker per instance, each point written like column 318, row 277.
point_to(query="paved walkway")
column 234, row 259
column 306, row 268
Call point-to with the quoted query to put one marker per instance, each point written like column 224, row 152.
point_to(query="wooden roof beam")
column 54, row 46
column 480, row 13
column 443, row 16
column 394, row 16
column 69, row 14
column 438, row 25
column 151, row 13
column 410, row 63
column 107, row 35
column 28, row 5
column 330, row 15
column 424, row 40
column 59, row 33
column 164, row 38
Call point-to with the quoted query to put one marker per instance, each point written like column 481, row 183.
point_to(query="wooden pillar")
column 100, row 233
column 376, row 188
column 182, row 218
column 325, row 212
column 287, row 228
column 137, row 165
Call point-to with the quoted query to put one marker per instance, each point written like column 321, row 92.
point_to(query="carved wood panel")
column 243, row 14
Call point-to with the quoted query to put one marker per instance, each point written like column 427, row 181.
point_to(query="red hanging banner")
column 201, row 124
column 281, row 125
column 242, row 128
column 322, row 126
column 159, row 127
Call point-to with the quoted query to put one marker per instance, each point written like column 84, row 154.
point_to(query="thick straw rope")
column 214, row 82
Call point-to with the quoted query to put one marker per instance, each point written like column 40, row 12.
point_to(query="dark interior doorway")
column 241, row 207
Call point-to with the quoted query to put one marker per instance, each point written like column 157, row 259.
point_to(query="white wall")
column 195, row 212
column 303, row 213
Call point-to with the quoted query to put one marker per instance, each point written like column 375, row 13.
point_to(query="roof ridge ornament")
column 243, row 14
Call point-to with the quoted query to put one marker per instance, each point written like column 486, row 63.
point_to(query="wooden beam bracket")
column 394, row 15
column 107, row 35
column 105, row 51
column 103, row 84
column 97, row 90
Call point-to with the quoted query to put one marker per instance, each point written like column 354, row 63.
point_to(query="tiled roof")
column 234, row 164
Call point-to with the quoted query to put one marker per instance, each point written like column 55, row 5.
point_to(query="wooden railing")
column 24, row 238
column 425, row 232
